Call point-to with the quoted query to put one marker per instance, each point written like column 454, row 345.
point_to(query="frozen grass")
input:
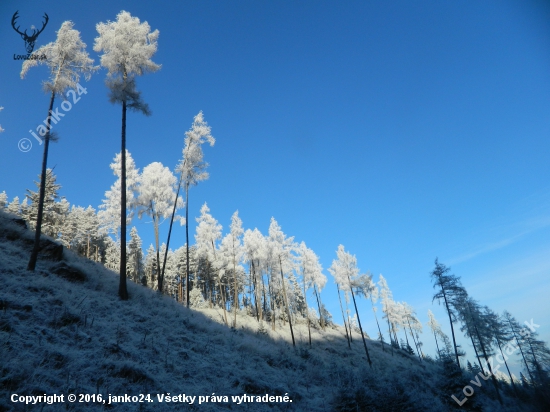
column 63, row 330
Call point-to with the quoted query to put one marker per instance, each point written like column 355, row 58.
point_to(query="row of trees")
column 271, row 276
column 127, row 47
column 489, row 333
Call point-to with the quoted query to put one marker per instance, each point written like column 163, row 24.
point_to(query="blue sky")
column 402, row 130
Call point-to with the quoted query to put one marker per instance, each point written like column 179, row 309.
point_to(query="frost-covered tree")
column 109, row 213
column 14, row 206
column 281, row 252
column 235, row 250
column 312, row 274
column 127, row 47
column 53, row 212
column 208, row 232
column 112, row 254
column 415, row 326
column 254, row 248
column 156, row 194
column 365, row 286
column 3, row 200
column 196, row 299
column 80, row 230
column 345, row 272
column 180, row 264
column 388, row 305
column 192, row 169
column 150, row 268
column 435, row 328
column 135, row 256
column 67, row 60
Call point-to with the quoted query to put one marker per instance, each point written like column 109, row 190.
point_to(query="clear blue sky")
column 402, row 130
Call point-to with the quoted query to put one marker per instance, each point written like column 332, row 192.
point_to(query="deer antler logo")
column 29, row 40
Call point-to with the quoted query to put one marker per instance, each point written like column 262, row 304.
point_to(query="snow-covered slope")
column 63, row 330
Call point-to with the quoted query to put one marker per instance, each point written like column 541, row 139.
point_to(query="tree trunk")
column 307, row 310
column 389, row 333
column 122, row 290
column 349, row 320
column 521, row 350
column 236, row 292
column 415, row 344
column 343, row 317
column 263, row 293
column 36, row 247
column 258, row 307
column 220, row 283
column 450, row 321
column 160, row 277
column 171, row 223
column 436, row 345
column 360, row 327
column 286, row 302
column 270, row 293
column 494, row 380
column 187, row 244
column 377, row 324
column 475, row 348
column 506, row 363
column 321, row 318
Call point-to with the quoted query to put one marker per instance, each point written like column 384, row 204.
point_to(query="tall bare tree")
column 127, row 46
column 67, row 60
column 192, row 169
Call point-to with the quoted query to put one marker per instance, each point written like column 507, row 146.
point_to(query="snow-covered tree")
column 411, row 321
column 281, row 248
column 388, row 307
column 156, row 194
column 196, row 299
column 14, row 206
column 112, row 254
column 208, row 232
column 345, row 272
column 109, row 213
column 364, row 285
column 3, row 200
column 192, row 169
column 150, row 268
column 127, row 47
column 67, row 60
column 234, row 248
column 53, row 212
column 135, row 256
column 253, row 247
column 312, row 275
column 180, row 265
column 435, row 328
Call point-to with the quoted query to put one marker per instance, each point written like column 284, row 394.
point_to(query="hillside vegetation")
column 64, row 330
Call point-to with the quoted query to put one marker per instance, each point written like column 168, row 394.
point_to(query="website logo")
column 29, row 39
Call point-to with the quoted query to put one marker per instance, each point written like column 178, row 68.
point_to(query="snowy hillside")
column 63, row 330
